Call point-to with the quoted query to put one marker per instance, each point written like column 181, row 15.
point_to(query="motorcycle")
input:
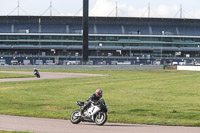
column 37, row 74
column 97, row 113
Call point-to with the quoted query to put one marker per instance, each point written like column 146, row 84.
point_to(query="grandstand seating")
column 189, row 30
column 163, row 30
column 108, row 28
column 5, row 28
column 53, row 28
column 24, row 28
column 109, row 37
column 102, row 29
column 137, row 29
column 75, row 28
column 92, row 29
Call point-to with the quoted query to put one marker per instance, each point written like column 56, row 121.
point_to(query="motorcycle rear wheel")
column 101, row 118
column 75, row 119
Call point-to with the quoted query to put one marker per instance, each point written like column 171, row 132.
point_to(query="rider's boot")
column 82, row 110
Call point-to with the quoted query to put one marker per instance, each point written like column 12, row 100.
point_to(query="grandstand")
column 58, row 40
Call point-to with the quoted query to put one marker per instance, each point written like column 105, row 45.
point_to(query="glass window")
column 101, row 38
column 111, row 38
column 77, row 37
column 167, row 39
column 11, row 37
column 91, row 38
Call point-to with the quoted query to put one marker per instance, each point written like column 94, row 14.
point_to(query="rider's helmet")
column 99, row 93
column 34, row 68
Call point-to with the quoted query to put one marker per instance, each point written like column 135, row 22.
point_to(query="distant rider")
column 35, row 71
column 93, row 98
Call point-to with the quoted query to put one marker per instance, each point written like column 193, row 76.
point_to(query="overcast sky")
column 126, row 8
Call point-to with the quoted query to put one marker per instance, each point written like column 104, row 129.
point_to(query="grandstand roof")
column 99, row 20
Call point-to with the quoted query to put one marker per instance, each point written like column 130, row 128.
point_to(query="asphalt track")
column 46, row 75
column 43, row 125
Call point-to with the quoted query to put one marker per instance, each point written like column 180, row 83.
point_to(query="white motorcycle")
column 37, row 74
column 97, row 113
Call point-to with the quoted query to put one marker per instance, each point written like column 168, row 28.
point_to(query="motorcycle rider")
column 35, row 70
column 93, row 98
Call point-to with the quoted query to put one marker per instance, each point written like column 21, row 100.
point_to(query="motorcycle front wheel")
column 75, row 118
column 101, row 118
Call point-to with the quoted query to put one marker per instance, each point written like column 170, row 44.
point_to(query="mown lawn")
column 11, row 75
column 142, row 97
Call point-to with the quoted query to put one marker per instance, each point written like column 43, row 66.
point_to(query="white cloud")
column 130, row 11
column 126, row 8
column 102, row 8
column 165, row 11
column 108, row 8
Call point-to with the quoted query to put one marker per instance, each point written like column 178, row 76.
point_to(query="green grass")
column 11, row 75
column 142, row 97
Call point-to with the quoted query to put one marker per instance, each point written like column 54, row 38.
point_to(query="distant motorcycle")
column 97, row 113
column 37, row 74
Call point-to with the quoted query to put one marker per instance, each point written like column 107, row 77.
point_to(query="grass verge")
column 11, row 75
column 142, row 97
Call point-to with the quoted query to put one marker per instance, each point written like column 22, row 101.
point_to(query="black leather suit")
column 92, row 98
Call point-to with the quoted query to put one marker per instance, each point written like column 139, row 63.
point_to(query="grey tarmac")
column 43, row 125
column 46, row 75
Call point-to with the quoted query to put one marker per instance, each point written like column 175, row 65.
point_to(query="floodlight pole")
column 181, row 11
column 18, row 7
column 85, row 31
column 149, row 10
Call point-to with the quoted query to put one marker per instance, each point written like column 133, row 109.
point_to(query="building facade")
column 137, row 40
